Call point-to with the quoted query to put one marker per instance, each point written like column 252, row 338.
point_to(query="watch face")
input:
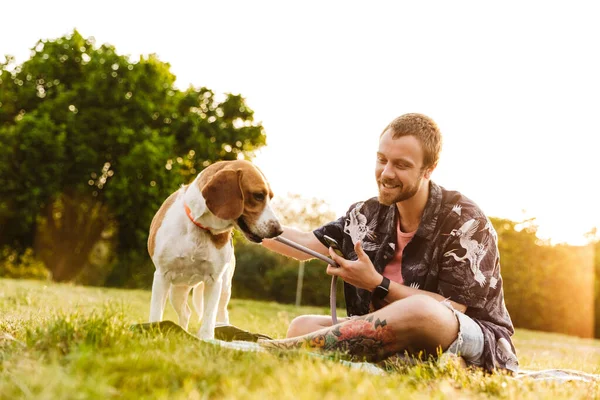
column 380, row 292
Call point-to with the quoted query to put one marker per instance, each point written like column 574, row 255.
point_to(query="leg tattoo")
column 369, row 338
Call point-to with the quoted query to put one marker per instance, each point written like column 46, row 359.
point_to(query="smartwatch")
column 381, row 290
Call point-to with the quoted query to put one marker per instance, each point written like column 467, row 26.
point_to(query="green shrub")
column 21, row 265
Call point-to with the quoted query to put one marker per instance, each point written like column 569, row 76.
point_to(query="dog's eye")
column 259, row 197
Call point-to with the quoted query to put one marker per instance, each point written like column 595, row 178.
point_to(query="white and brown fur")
column 225, row 195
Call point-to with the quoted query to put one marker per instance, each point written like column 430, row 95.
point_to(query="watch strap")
column 381, row 290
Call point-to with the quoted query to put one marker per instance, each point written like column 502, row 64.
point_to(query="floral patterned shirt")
column 454, row 253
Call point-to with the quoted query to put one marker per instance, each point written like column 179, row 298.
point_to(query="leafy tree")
column 92, row 142
column 593, row 237
column 596, row 247
column 548, row 288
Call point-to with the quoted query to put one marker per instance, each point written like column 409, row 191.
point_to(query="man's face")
column 399, row 168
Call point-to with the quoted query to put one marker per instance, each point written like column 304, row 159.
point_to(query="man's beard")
column 401, row 193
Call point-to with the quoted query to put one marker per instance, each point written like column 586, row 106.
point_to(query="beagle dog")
column 190, row 240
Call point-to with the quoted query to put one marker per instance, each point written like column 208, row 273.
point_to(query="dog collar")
column 188, row 212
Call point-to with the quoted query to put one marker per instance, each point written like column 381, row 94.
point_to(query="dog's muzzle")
column 272, row 230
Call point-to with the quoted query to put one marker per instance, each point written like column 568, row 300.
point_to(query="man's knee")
column 296, row 324
column 427, row 321
column 421, row 311
column 416, row 305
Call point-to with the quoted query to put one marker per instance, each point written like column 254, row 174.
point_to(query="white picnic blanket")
column 559, row 375
column 255, row 347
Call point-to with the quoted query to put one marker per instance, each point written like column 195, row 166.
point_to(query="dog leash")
column 332, row 294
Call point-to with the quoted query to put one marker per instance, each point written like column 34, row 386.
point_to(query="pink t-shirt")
column 393, row 270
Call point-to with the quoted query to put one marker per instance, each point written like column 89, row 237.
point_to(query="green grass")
column 74, row 342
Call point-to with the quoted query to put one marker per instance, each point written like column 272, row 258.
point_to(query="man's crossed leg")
column 417, row 324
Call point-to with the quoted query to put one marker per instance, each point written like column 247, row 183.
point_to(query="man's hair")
column 424, row 129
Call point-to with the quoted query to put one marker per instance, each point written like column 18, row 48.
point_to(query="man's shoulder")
column 460, row 212
column 369, row 206
column 455, row 202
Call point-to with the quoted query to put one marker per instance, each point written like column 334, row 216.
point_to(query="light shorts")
column 469, row 343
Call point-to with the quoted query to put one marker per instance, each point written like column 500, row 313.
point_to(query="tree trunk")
column 67, row 233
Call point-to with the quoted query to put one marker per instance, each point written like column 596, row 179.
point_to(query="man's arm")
column 362, row 274
column 306, row 239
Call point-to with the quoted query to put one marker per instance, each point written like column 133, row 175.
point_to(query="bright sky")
column 513, row 85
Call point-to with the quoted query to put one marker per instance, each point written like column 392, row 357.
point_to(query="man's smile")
column 388, row 185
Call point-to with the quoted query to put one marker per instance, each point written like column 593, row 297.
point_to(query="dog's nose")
column 275, row 229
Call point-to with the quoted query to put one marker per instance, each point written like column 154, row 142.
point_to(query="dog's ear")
column 223, row 194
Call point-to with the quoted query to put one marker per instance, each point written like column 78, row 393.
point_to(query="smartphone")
column 331, row 242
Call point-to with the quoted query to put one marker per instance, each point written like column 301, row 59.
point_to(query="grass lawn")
column 74, row 343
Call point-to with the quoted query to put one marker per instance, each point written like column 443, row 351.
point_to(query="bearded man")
column 420, row 265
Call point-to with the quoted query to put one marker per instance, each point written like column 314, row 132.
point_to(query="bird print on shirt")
column 359, row 229
column 457, row 209
column 493, row 282
column 490, row 228
column 474, row 251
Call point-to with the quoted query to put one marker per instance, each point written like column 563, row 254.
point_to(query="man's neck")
column 411, row 210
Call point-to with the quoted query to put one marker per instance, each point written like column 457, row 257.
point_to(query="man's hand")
column 360, row 273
